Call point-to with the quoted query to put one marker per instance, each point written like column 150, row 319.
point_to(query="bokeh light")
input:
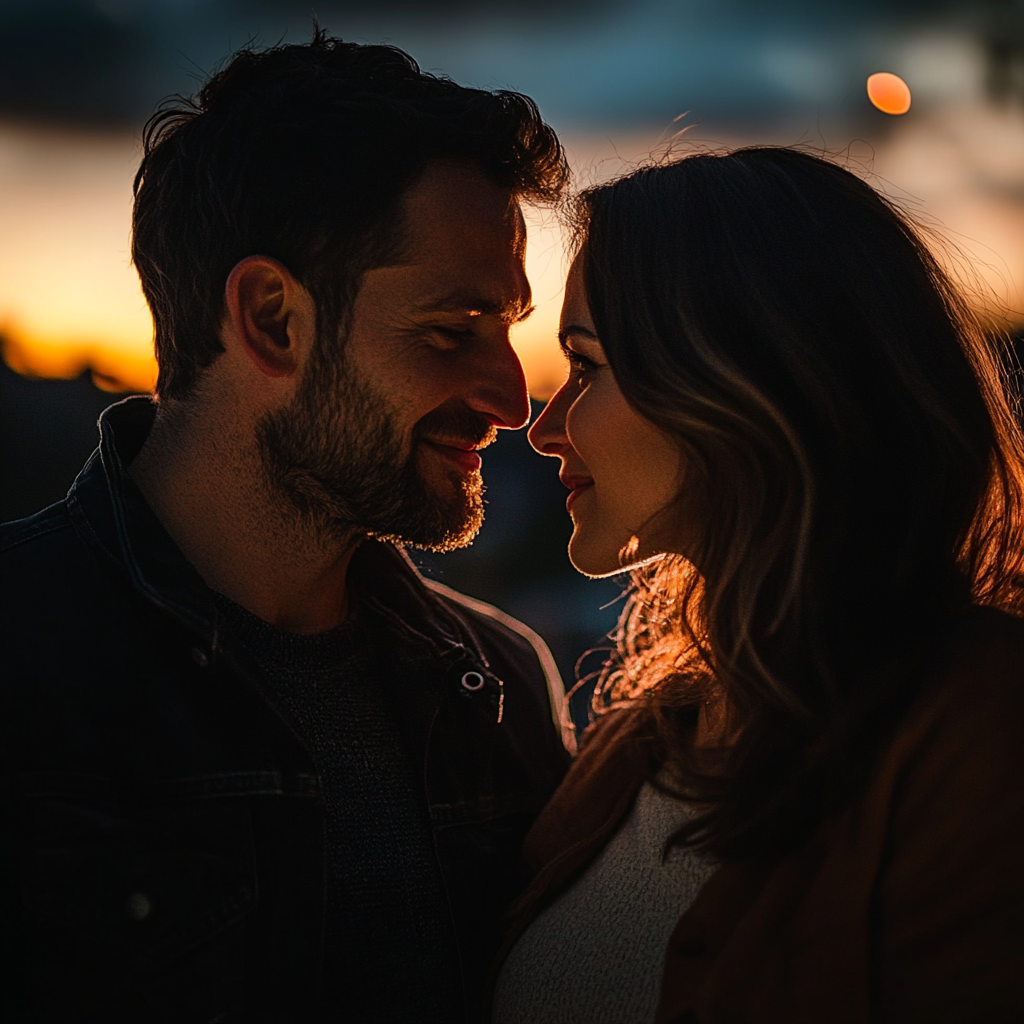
column 889, row 92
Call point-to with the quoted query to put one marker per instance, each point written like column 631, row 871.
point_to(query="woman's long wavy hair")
column 853, row 461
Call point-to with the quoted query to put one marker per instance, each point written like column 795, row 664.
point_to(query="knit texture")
column 389, row 953
column 595, row 955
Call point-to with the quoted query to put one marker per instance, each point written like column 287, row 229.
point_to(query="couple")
column 257, row 769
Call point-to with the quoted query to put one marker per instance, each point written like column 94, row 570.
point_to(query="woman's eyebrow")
column 565, row 333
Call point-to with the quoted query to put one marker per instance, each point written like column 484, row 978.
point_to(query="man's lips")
column 463, row 453
column 577, row 485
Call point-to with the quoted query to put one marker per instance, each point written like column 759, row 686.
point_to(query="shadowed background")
column 618, row 81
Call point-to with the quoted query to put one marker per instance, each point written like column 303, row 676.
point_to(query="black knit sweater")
column 389, row 953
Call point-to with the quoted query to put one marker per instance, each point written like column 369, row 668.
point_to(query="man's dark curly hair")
column 302, row 153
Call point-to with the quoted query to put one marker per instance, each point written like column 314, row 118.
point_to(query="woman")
column 803, row 799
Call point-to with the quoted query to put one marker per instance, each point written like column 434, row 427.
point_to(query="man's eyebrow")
column 511, row 312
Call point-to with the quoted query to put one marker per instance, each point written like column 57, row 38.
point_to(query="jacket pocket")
column 139, row 916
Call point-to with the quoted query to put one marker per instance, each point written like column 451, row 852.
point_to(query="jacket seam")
column 56, row 521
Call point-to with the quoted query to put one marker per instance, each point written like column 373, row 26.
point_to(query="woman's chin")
column 592, row 557
column 595, row 557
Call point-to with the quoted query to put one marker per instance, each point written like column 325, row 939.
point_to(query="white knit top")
column 595, row 955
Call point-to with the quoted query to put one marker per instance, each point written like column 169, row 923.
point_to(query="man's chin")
column 439, row 542
column 444, row 523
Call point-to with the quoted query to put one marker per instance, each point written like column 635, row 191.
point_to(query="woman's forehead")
column 575, row 308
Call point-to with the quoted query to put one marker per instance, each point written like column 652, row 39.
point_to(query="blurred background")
column 621, row 82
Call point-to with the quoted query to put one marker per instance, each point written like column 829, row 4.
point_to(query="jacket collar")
column 109, row 508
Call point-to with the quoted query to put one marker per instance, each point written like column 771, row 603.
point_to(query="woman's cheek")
column 590, row 428
column 600, row 428
column 635, row 467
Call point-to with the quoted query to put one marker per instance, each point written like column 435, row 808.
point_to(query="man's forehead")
column 454, row 199
column 464, row 246
column 445, row 181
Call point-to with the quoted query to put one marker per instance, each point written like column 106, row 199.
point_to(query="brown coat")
column 908, row 908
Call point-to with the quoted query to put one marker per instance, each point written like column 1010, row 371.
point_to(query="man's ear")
column 270, row 313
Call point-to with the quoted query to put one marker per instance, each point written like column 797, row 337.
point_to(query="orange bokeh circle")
column 889, row 93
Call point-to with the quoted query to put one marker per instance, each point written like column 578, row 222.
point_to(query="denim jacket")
column 162, row 852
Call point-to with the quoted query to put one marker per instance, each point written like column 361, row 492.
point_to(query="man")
column 257, row 768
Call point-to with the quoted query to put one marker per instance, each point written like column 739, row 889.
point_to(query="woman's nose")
column 547, row 435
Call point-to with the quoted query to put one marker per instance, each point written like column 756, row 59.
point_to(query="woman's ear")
column 270, row 315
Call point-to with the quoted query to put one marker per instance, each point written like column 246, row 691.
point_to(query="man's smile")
column 464, row 454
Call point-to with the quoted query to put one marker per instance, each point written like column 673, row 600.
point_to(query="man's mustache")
column 457, row 426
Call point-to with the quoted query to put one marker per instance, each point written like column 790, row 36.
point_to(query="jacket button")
column 139, row 906
column 472, row 681
column 199, row 657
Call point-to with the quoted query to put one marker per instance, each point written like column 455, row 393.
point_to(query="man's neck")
column 200, row 472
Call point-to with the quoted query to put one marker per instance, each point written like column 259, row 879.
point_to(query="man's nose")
column 501, row 391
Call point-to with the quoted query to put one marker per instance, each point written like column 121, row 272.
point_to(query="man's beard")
column 335, row 454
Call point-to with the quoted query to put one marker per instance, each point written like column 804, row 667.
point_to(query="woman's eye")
column 579, row 364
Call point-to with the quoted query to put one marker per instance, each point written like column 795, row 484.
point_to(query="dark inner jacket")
column 162, row 856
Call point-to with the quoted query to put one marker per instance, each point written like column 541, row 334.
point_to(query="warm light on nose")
column 889, row 93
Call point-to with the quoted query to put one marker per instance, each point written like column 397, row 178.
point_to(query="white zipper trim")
column 556, row 688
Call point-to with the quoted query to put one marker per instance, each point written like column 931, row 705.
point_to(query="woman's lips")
column 467, row 459
column 578, row 488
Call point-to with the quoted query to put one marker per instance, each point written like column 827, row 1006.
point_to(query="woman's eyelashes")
column 579, row 364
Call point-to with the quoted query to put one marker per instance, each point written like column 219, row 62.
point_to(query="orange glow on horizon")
column 69, row 298
column 888, row 92
column 111, row 370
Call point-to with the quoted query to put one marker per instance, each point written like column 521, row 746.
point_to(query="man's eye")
column 456, row 333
